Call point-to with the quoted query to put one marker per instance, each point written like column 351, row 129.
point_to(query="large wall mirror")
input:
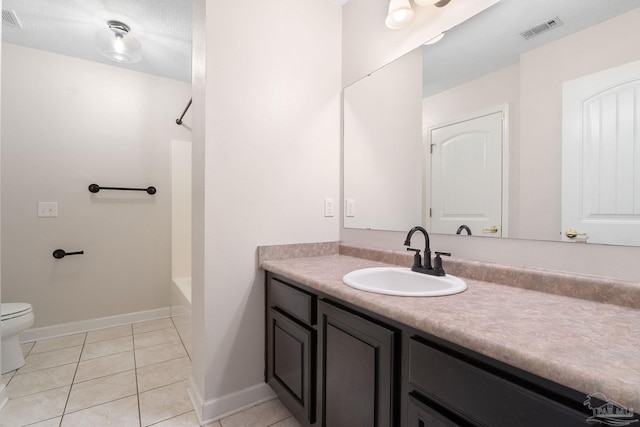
column 530, row 136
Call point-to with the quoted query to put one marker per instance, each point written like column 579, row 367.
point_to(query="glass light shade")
column 400, row 14
column 117, row 44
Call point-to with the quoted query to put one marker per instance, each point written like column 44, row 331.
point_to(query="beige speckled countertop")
column 585, row 345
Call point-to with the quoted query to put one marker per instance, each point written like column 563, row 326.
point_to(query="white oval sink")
column 403, row 282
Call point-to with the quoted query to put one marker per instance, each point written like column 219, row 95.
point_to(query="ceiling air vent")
column 539, row 29
column 9, row 18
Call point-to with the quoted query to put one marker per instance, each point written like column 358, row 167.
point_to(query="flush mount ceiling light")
column 117, row 44
column 400, row 14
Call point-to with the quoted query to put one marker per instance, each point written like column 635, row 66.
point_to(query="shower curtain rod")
column 179, row 121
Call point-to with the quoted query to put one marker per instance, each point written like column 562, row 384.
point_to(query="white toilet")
column 16, row 317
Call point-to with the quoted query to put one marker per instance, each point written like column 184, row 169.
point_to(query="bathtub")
column 181, row 309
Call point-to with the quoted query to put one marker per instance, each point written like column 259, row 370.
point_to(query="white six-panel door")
column 466, row 165
column 601, row 157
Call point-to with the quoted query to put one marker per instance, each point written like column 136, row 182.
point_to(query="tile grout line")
column 84, row 345
column 173, row 326
column 66, row 403
column 181, row 340
column 112, row 400
column 135, row 371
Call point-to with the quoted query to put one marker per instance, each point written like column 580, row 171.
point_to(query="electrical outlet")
column 329, row 207
column 47, row 209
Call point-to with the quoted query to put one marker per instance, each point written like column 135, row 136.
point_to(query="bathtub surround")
column 181, row 210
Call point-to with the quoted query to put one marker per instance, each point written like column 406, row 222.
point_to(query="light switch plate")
column 350, row 208
column 329, row 207
column 47, row 209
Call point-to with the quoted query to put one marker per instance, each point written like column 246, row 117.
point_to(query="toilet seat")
column 10, row 310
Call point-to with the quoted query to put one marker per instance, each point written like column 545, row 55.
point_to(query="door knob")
column 492, row 229
column 572, row 233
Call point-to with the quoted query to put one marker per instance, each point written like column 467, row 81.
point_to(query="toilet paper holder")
column 61, row 253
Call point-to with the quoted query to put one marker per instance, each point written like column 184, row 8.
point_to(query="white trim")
column 196, row 399
column 222, row 407
column 506, row 161
column 45, row 332
column 4, row 398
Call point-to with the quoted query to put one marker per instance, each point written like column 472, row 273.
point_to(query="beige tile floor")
column 131, row 375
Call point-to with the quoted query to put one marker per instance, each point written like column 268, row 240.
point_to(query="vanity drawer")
column 293, row 301
column 481, row 396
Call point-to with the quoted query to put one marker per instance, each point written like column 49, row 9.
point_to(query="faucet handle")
column 437, row 263
column 417, row 259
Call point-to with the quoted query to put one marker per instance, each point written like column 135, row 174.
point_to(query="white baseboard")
column 35, row 334
column 222, row 407
column 4, row 398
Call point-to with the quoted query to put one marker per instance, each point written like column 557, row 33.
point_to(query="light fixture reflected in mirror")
column 117, row 44
column 400, row 14
column 435, row 40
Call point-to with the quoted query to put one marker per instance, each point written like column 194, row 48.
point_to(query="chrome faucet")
column 417, row 261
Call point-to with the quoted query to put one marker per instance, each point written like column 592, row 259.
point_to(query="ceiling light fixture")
column 400, row 14
column 117, row 44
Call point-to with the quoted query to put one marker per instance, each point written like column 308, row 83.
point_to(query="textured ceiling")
column 68, row 27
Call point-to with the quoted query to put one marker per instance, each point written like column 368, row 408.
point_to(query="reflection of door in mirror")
column 466, row 179
column 601, row 157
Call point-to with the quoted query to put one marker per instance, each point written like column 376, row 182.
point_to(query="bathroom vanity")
column 493, row 355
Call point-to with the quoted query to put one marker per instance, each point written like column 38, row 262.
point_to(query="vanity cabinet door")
column 356, row 371
column 290, row 364
column 421, row 415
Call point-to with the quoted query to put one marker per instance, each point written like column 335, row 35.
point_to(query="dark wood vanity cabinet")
column 420, row 414
column 335, row 365
column 330, row 366
column 291, row 348
column 461, row 389
column 357, row 369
